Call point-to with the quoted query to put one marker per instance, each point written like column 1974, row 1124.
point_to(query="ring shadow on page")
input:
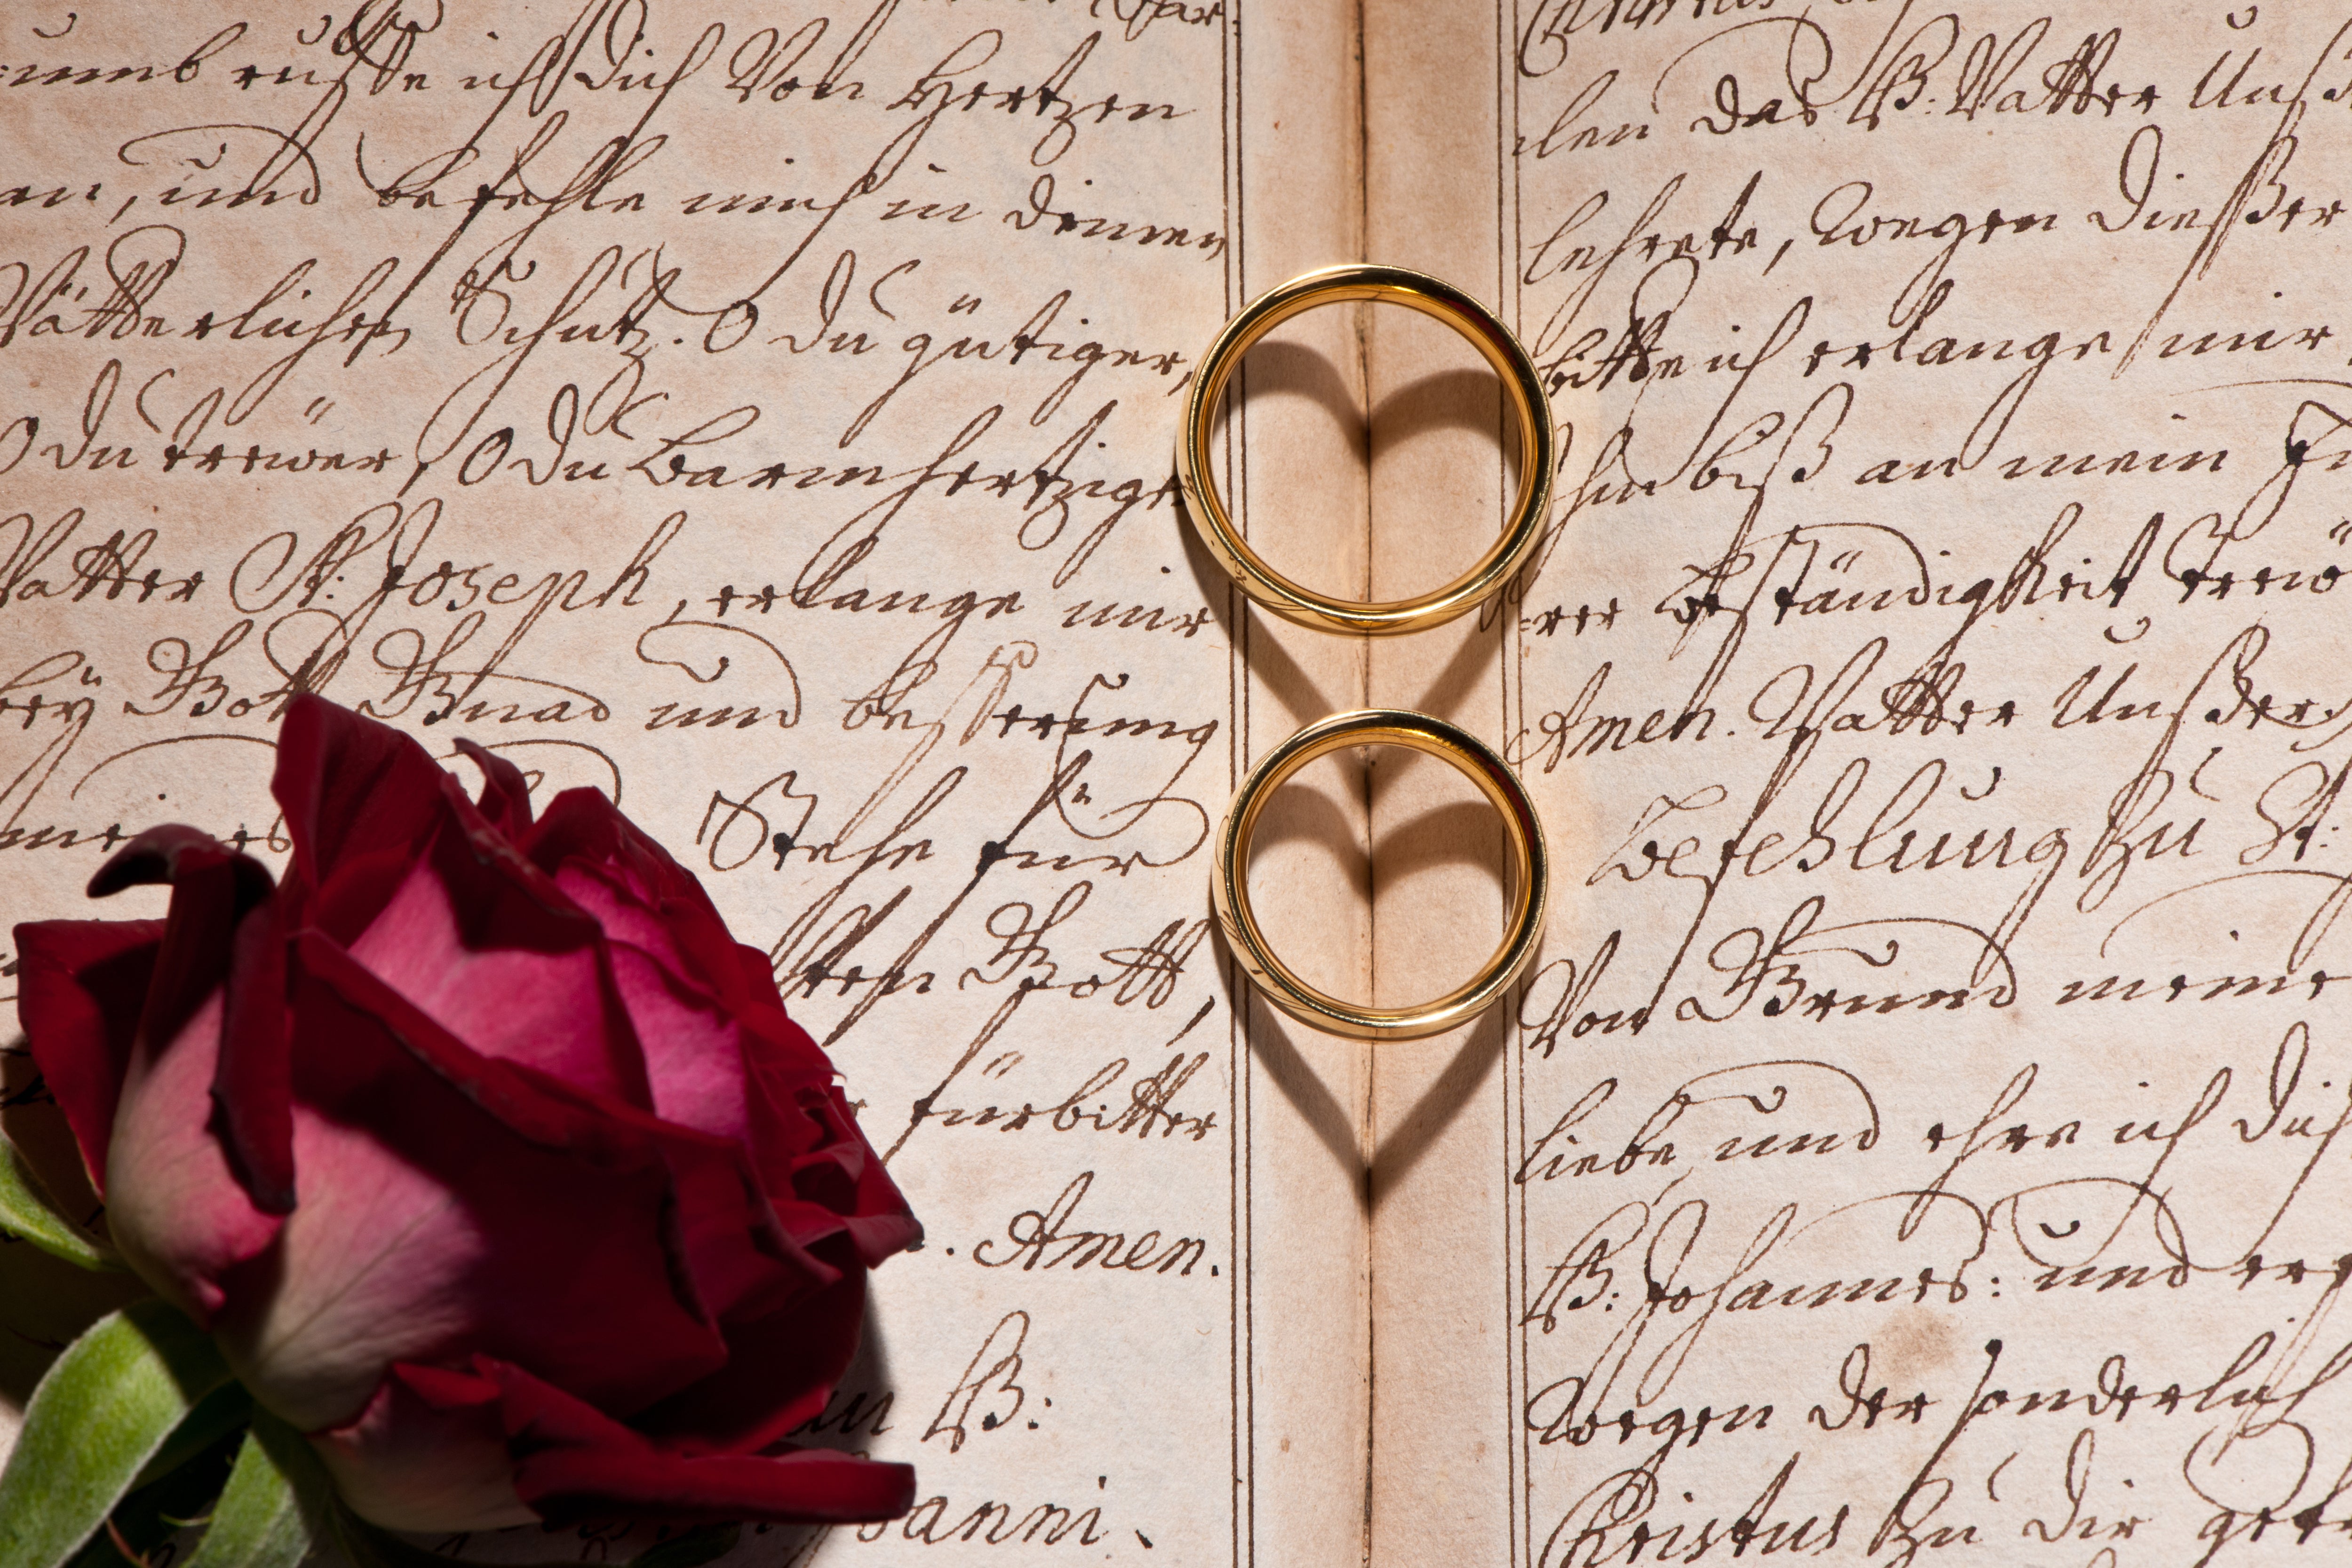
column 1434, row 838
column 1467, row 399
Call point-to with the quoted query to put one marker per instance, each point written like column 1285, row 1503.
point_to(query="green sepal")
column 108, row 1406
column 268, row 1514
column 25, row 1211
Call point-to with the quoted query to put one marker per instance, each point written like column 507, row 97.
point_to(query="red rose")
column 484, row 1153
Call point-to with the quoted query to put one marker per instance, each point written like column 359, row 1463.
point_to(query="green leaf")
column 260, row 1520
column 110, row 1405
column 160, row 1509
column 300, row 1465
column 226, row 1410
column 25, row 1211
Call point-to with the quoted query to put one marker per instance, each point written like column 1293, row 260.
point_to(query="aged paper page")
column 1440, row 490
column 762, row 414
column 1922, row 1139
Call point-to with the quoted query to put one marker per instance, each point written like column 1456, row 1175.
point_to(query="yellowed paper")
column 1921, row 1141
column 762, row 415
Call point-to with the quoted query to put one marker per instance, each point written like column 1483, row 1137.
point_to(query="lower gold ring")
column 1530, row 872
column 1295, row 601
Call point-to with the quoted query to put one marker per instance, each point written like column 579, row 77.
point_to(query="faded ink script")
column 1928, row 1135
column 759, row 413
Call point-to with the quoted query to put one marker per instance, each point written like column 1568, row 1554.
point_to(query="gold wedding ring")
column 1293, row 600
column 1382, row 726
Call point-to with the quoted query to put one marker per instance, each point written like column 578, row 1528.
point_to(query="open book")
column 1919, row 1137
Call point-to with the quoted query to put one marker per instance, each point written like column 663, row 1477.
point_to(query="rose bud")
column 486, row 1156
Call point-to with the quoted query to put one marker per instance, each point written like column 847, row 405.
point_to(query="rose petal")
column 213, row 886
column 178, row 1213
column 429, row 1453
column 781, row 1369
column 573, row 1462
column 881, row 1221
column 731, row 1254
column 742, row 1258
column 691, row 1051
column 374, row 1265
column 670, row 956
column 171, row 851
column 505, row 801
column 223, row 926
column 502, row 898
column 545, row 1011
column 768, row 1088
column 513, row 1004
column 658, row 905
column 349, row 786
column 453, row 1202
column 554, row 1079
column 698, row 1046
column 578, row 824
column 429, row 1229
column 813, row 1150
column 757, row 975
column 362, row 884
column 519, row 1099
column 82, row 985
column 253, row 1087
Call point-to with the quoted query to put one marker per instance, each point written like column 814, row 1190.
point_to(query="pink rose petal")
column 427, row 1453
column 574, row 1462
column 178, row 1214
column 545, row 1009
column 81, row 985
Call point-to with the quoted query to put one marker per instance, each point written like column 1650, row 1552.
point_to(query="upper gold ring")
column 1379, row 726
column 1294, row 600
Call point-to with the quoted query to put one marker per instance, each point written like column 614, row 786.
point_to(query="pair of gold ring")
column 1297, row 603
